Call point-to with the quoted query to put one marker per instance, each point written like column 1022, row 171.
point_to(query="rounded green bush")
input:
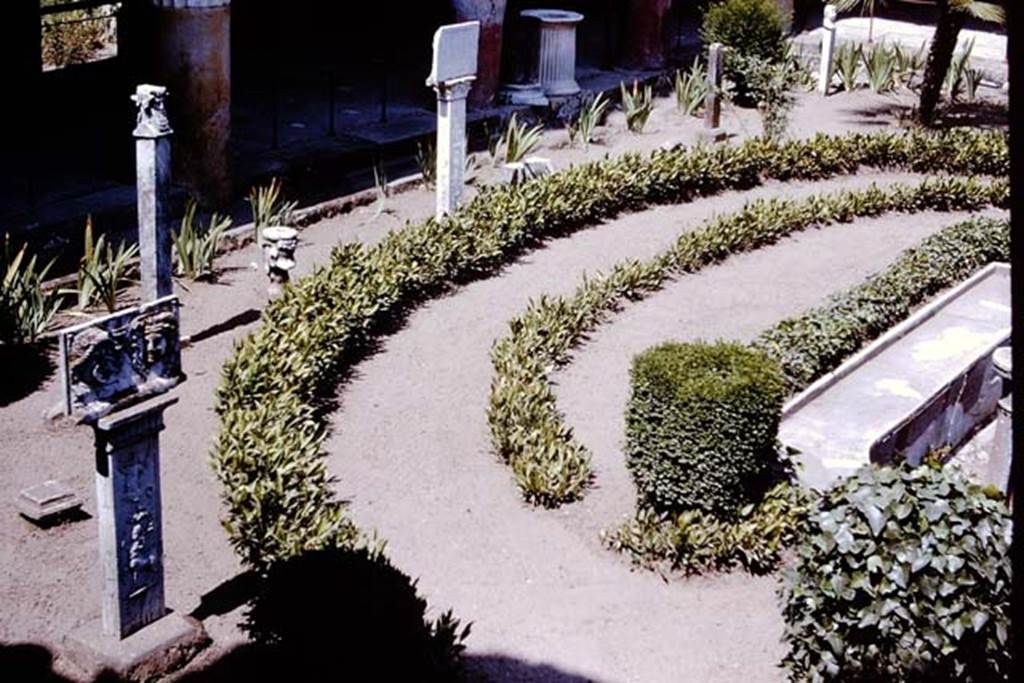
column 753, row 28
column 701, row 426
column 903, row 575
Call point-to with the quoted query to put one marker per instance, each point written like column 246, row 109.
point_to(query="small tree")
column 953, row 14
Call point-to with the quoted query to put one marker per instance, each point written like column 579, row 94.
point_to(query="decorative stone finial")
column 151, row 121
column 829, row 18
column 279, row 245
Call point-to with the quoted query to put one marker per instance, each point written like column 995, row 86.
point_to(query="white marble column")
column 828, row 48
column 451, row 143
column 557, row 50
column 153, row 180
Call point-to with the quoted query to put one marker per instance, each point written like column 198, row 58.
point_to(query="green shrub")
column 379, row 627
column 195, row 247
column 637, row 104
column 809, row 345
column 701, row 426
column 753, row 28
column 696, row 542
column 903, row 575
column 750, row 29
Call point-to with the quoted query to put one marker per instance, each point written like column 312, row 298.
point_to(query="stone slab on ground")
column 43, row 502
column 164, row 646
column 872, row 393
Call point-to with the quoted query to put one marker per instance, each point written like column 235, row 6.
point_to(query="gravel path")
column 411, row 451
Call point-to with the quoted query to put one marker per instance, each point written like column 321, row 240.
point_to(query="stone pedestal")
column 491, row 15
column 557, row 50
column 645, row 34
column 153, row 182
column 194, row 61
column 828, row 48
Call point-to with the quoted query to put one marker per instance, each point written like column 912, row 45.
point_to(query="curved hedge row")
column 269, row 452
column 695, row 541
column 527, row 429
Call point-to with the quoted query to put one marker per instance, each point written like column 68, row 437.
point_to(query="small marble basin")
column 553, row 16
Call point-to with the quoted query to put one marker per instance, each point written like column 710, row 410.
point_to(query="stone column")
column 491, row 15
column 712, row 130
column 129, row 515
column 451, row 143
column 828, row 48
column 645, row 34
column 557, row 50
column 193, row 44
column 153, row 179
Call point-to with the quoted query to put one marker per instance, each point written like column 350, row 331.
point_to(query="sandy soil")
column 411, row 449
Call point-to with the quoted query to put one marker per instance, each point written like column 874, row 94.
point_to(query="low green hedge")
column 701, row 426
column 276, row 387
column 813, row 343
column 529, row 432
column 903, row 575
column 693, row 541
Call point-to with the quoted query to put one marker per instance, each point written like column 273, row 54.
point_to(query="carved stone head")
column 151, row 117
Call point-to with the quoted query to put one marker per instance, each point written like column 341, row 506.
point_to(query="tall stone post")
column 193, row 45
column 491, row 15
column 712, row 130
column 645, row 34
column 452, row 74
column 129, row 512
column 136, row 636
column 153, row 179
column 451, row 143
column 828, row 48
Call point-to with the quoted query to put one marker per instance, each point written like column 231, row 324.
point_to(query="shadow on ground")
column 26, row 368
column 977, row 114
column 322, row 616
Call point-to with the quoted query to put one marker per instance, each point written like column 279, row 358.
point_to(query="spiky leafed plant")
column 953, row 14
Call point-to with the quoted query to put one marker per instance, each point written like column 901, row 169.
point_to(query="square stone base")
column 164, row 646
column 711, row 135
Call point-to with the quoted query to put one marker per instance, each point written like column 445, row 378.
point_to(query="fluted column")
column 557, row 51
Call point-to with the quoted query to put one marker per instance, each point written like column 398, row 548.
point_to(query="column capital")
column 450, row 91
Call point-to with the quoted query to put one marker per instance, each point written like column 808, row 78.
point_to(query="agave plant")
column 880, row 68
column 426, row 159
column 269, row 209
column 957, row 74
column 637, row 104
column 908, row 64
column 519, row 140
column 847, row 64
column 195, row 247
column 25, row 308
column 591, row 114
column 691, row 88
column 103, row 271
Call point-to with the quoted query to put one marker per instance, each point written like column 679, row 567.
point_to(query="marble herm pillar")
column 713, row 100
column 129, row 515
column 491, row 15
column 153, row 180
column 828, row 48
column 645, row 34
column 557, row 50
column 451, row 143
column 193, row 45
